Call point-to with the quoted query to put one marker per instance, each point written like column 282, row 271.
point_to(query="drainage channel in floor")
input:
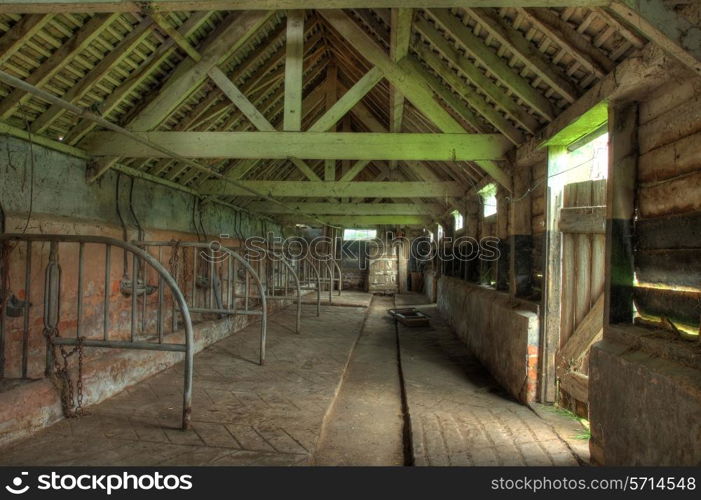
column 367, row 423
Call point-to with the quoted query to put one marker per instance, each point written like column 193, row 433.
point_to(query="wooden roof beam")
column 323, row 189
column 97, row 73
column 535, row 60
column 401, row 21
column 479, row 79
column 407, row 80
column 308, row 145
column 479, row 103
column 576, row 44
column 136, row 78
column 493, row 63
column 235, row 31
column 40, row 76
column 20, row 33
column 294, row 65
column 92, row 6
column 659, row 23
column 326, row 208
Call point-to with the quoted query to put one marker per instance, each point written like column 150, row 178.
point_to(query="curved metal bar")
column 283, row 259
column 169, row 280
column 340, row 276
column 329, row 270
column 261, row 290
column 251, row 272
column 308, row 259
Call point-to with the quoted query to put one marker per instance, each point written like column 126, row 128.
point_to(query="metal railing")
column 331, row 275
column 103, row 325
column 216, row 280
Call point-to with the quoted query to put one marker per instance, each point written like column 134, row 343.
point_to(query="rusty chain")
column 71, row 403
column 174, row 260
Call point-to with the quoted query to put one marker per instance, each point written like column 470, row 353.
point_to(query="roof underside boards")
column 505, row 71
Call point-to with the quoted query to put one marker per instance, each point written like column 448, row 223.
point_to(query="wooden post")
column 620, row 203
column 294, row 69
column 521, row 237
column 550, row 327
column 473, row 213
column 503, row 235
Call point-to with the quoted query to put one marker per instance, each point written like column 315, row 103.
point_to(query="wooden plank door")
column 582, row 224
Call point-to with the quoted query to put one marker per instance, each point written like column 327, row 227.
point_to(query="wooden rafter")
column 662, row 25
column 479, row 79
column 347, row 101
column 408, row 81
column 134, row 80
column 320, row 208
column 322, row 189
column 400, row 37
column 576, row 44
column 97, row 73
column 78, row 42
column 189, row 75
column 294, row 61
column 62, row 6
column 527, row 52
column 309, row 145
column 494, row 64
column 20, row 33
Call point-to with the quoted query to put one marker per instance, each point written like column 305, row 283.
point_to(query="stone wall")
column 59, row 191
column 502, row 332
column 645, row 383
column 52, row 185
column 645, row 399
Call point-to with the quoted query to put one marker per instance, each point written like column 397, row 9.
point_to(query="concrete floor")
column 331, row 395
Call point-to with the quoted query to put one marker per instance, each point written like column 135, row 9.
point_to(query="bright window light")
column 459, row 221
column 489, row 199
column 359, row 234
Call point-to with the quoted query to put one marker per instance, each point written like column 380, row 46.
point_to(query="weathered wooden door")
column 382, row 273
column 582, row 223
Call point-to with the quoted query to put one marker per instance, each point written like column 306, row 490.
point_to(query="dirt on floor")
column 350, row 389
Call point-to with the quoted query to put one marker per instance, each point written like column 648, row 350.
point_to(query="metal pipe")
column 226, row 312
column 27, row 303
column 79, row 293
column 122, row 344
column 134, row 265
column 108, row 293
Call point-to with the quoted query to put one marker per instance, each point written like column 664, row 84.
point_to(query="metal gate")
column 129, row 311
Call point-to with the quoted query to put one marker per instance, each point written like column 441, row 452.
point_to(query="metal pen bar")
column 79, row 320
column 159, row 311
column 108, row 292
column 229, row 278
column 27, row 299
column 226, row 312
column 159, row 321
column 122, row 344
column 193, row 293
column 52, row 296
column 144, row 296
column 211, row 280
column 133, row 297
column 173, row 312
column 235, row 278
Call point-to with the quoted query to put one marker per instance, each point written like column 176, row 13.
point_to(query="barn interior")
column 350, row 232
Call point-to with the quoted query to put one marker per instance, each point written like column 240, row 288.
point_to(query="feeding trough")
column 410, row 316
